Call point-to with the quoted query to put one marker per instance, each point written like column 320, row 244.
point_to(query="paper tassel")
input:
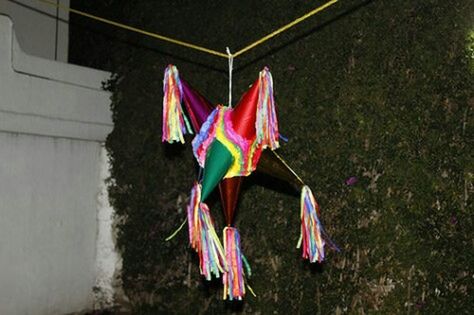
column 311, row 239
column 233, row 278
column 193, row 208
column 211, row 254
column 175, row 123
column 266, row 124
column 203, row 237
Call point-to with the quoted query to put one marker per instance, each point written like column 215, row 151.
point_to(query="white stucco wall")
column 48, row 224
column 108, row 261
column 41, row 29
column 55, row 223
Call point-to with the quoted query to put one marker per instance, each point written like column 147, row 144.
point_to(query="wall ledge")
column 50, row 98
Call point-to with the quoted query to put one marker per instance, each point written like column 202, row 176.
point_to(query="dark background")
column 379, row 90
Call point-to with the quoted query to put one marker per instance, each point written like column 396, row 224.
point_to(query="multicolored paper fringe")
column 203, row 237
column 266, row 124
column 218, row 125
column 192, row 209
column 233, row 278
column 311, row 239
column 175, row 123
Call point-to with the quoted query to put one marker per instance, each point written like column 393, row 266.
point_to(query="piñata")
column 230, row 144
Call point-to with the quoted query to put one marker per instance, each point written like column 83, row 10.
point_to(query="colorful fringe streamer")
column 233, row 278
column 193, row 208
column 203, row 237
column 267, row 123
column 175, row 123
column 311, row 228
column 218, row 125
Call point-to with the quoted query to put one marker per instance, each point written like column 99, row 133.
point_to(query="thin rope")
column 186, row 44
column 136, row 30
column 285, row 27
column 231, row 65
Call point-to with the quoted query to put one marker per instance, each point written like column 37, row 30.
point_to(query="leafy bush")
column 377, row 90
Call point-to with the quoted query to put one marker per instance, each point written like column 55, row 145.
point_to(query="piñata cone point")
column 244, row 115
column 230, row 190
column 218, row 162
column 197, row 106
column 275, row 166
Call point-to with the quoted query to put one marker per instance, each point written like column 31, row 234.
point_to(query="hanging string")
column 231, row 65
column 186, row 44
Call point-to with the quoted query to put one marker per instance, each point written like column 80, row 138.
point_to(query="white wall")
column 48, row 224
column 107, row 289
column 53, row 120
column 42, row 30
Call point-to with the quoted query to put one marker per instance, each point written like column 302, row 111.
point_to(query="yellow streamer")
column 177, row 231
column 251, row 290
column 189, row 45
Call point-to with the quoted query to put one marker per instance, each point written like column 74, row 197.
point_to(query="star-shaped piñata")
column 230, row 144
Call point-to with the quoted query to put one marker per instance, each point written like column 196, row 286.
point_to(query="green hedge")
column 378, row 90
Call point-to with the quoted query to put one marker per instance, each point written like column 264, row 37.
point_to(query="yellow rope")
column 284, row 28
column 189, row 45
column 136, row 30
